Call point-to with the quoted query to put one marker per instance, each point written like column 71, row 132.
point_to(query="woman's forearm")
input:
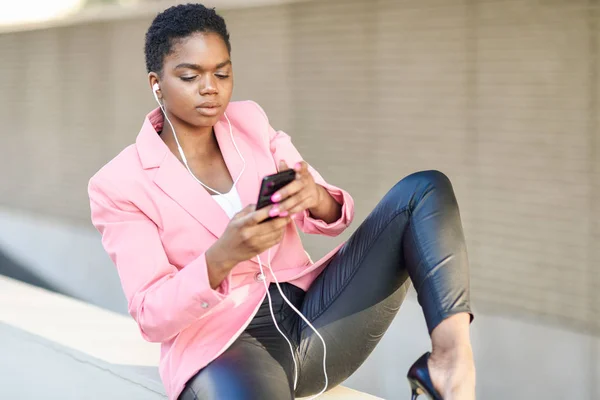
column 328, row 210
column 217, row 266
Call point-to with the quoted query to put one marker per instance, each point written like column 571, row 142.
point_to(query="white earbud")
column 155, row 89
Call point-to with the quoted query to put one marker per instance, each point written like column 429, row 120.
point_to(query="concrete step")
column 93, row 332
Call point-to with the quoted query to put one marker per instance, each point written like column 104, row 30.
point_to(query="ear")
column 154, row 84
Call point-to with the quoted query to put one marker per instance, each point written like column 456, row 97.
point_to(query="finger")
column 275, row 241
column 301, row 167
column 272, row 239
column 240, row 215
column 275, row 224
column 245, row 211
column 300, row 207
column 304, row 174
column 259, row 236
column 258, row 216
column 288, row 190
column 260, row 242
column 266, row 228
column 292, row 202
column 283, row 165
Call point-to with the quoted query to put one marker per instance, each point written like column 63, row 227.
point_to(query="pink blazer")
column 157, row 222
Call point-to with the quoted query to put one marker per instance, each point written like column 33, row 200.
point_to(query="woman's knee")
column 414, row 186
column 428, row 178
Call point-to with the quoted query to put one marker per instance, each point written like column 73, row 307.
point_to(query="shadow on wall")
column 12, row 269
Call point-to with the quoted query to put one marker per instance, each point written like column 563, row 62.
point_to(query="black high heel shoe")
column 420, row 381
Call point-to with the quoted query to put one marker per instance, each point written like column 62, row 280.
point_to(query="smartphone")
column 271, row 184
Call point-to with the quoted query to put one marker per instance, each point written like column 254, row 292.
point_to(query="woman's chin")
column 202, row 121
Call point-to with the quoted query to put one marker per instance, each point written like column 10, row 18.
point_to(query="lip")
column 209, row 104
column 208, row 109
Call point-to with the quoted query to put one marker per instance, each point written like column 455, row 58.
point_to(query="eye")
column 222, row 76
column 188, row 78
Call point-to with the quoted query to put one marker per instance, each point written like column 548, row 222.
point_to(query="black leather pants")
column 414, row 232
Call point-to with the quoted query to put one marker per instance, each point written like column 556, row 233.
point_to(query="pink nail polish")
column 274, row 212
column 276, row 197
column 283, row 214
column 297, row 166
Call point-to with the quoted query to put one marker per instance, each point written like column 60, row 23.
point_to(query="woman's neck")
column 196, row 142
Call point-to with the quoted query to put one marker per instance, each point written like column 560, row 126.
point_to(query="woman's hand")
column 244, row 238
column 305, row 194
column 299, row 195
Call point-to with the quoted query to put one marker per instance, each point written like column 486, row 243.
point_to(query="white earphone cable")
column 264, row 280
column 301, row 316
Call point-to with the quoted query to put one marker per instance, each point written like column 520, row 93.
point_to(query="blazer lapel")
column 249, row 182
column 175, row 180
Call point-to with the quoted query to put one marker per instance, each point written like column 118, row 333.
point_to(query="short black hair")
column 179, row 22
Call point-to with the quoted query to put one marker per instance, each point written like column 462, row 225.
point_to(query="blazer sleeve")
column 281, row 147
column 162, row 299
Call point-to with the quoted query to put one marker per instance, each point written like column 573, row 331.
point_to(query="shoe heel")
column 420, row 381
column 414, row 388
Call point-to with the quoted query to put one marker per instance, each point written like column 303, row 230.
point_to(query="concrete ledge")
column 112, row 339
column 75, row 324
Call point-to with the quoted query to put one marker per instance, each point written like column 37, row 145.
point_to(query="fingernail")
column 274, row 212
column 283, row 214
column 276, row 197
column 297, row 166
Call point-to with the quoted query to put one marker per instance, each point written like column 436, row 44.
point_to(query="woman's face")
column 197, row 80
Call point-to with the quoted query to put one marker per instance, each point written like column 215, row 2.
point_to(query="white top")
column 230, row 201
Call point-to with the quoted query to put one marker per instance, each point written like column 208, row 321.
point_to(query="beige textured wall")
column 500, row 95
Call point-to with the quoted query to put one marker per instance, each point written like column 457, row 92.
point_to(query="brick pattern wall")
column 534, row 165
column 594, row 151
column 502, row 95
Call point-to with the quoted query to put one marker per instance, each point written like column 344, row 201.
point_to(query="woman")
column 199, row 265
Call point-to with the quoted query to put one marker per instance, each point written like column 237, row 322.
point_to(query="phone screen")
column 272, row 183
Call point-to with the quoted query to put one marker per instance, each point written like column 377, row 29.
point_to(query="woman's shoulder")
column 249, row 119
column 246, row 112
column 121, row 171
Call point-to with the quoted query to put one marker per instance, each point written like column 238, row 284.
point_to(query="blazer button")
column 259, row 277
column 204, row 304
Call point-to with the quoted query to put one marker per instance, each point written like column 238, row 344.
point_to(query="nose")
column 208, row 85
